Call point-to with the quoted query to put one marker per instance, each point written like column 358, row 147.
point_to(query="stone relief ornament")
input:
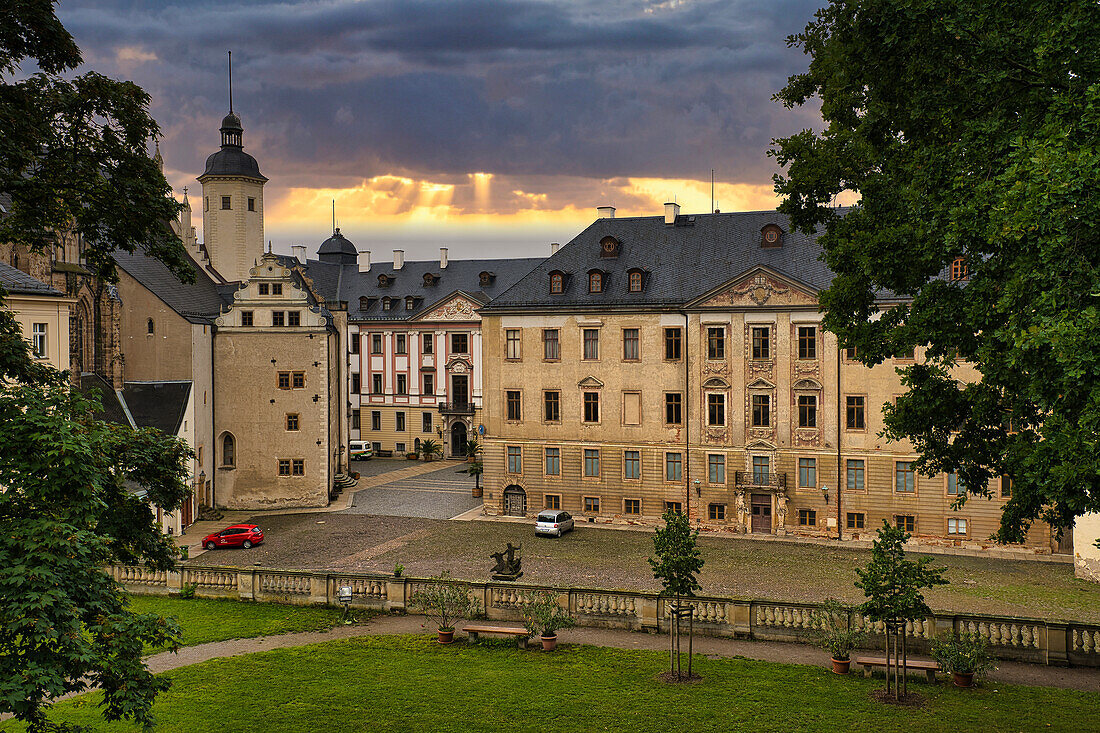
column 807, row 438
column 804, row 369
column 716, row 367
column 761, row 289
column 760, row 369
column 456, row 310
column 717, row 435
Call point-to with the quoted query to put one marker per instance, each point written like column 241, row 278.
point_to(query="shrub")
column 834, row 631
column 965, row 654
column 187, row 591
column 445, row 601
column 542, row 616
column 398, row 570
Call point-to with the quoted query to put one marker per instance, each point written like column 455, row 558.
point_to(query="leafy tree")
column 676, row 564
column 893, row 586
column 73, row 157
column 971, row 132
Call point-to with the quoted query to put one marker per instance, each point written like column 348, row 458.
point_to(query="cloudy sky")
column 490, row 126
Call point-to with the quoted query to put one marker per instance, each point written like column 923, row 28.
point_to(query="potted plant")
column 430, row 449
column 965, row 656
column 835, row 633
column 445, row 602
column 471, row 449
column 475, row 469
column 543, row 616
column 412, row 455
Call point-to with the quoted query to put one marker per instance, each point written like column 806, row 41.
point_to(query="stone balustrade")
column 1021, row 639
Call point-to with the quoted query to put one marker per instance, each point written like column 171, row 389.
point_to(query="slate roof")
column 232, row 161
column 198, row 302
column 344, row 282
column 159, row 405
column 682, row 261
column 113, row 410
column 18, row 282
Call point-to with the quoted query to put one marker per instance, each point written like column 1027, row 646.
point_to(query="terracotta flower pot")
column 478, row 492
column 549, row 643
column 963, row 679
column 841, row 666
column 446, row 636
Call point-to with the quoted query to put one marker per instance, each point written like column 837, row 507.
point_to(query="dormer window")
column 430, row 280
column 635, row 280
column 384, row 281
column 386, row 302
column 410, row 302
column 486, row 278
column 365, row 303
column 771, row 235
column 557, row 282
column 596, row 281
column 609, row 247
column 959, row 270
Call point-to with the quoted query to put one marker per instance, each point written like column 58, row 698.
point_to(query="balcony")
column 753, row 479
column 456, row 408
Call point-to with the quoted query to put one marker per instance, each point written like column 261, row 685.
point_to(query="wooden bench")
column 869, row 663
column 385, row 453
column 521, row 634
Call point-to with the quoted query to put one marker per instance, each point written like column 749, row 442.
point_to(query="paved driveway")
column 441, row 494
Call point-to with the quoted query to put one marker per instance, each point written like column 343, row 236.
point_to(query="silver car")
column 553, row 522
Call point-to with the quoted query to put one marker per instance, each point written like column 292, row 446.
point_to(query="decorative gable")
column 590, row 383
column 759, row 288
column 457, row 308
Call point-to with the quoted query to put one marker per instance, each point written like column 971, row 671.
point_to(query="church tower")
column 232, row 202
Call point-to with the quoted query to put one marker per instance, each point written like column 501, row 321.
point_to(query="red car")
column 239, row 535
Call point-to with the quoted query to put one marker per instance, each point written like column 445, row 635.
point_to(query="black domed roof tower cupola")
column 337, row 250
column 232, row 132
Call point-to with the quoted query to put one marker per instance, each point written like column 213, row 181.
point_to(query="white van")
column 359, row 450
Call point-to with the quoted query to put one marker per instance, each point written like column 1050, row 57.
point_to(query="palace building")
column 679, row 362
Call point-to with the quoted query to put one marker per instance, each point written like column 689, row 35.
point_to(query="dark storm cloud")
column 337, row 90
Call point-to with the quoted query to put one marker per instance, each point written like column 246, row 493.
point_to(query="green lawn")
column 412, row 684
column 204, row 620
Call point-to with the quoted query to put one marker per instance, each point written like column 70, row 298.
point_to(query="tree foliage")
column 892, row 583
column 677, row 561
column 969, row 130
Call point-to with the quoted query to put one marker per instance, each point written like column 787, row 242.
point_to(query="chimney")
column 398, row 259
column 442, row 258
column 605, row 212
column 364, row 261
column 554, row 248
column 672, row 210
column 299, row 251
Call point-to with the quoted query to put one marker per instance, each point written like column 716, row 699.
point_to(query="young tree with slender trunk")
column 676, row 564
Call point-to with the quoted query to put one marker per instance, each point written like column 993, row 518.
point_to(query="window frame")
column 551, row 347
column 293, row 422
column 674, row 467
column 807, row 411
column 965, row 524
column 716, row 343
column 807, row 343
column 632, row 458
column 716, row 512
column 551, row 501
column 399, row 422
column 716, row 461
column 632, row 344
column 855, row 474
column 298, row 380
column 632, row 504
column 546, row 459
column 807, row 517
column 590, row 463
column 912, row 520
column 513, row 341
column 909, row 476
column 590, row 504
column 551, row 406
column 761, row 410
column 855, row 412
column 716, row 409
column 590, row 337
column 855, row 520
column 674, row 401
column 807, row 472
column 513, row 405
column 514, row 459
column 590, row 408
column 674, row 343
column 761, row 341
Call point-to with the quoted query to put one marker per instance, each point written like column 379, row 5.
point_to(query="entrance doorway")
column 458, row 439
column 762, row 513
column 1064, row 546
column 515, row 501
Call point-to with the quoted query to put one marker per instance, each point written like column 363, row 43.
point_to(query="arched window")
column 556, row 282
column 149, row 327
column 595, row 282
column 634, row 281
column 229, row 451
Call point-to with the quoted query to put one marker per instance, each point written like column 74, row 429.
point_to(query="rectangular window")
column 428, row 386
column 592, row 462
column 674, row 506
column 353, row 343
column 591, row 343
column 807, row 342
column 673, row 344
column 761, row 343
column 716, row 468
column 761, row 470
column 399, row 422
column 855, row 412
column 551, row 346
column 515, row 459
column 591, row 505
column 294, row 318
column 632, row 464
column 761, row 410
column 956, row 526
column 716, row 342
column 376, row 343
column 591, row 406
column 907, row 355
column 630, row 344
column 355, row 419
column 1006, row 487
column 716, row 512
column 399, row 448
column 906, row 522
column 807, row 411
column 807, row 473
column 402, row 345
column 855, row 474
column 807, row 518
column 511, row 399
column 632, row 408
column 511, row 345
column 298, row 467
column 850, row 353
column 551, row 402
column 356, row 383
column 38, row 342
column 375, row 419
column 251, row 204
column 402, row 384
column 278, row 318
column 284, row 466
column 674, row 466
column 716, row 409
column 292, row 421
column 856, row 520
column 246, row 318
column 276, row 288
column 551, row 501
column 226, row 203
column 460, row 343
column 905, row 481
column 425, row 422
column 673, row 408
column 298, row 380
column 428, row 341
column 376, row 384
column 552, row 461
column 632, row 506
column 955, row 486
column 264, row 288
